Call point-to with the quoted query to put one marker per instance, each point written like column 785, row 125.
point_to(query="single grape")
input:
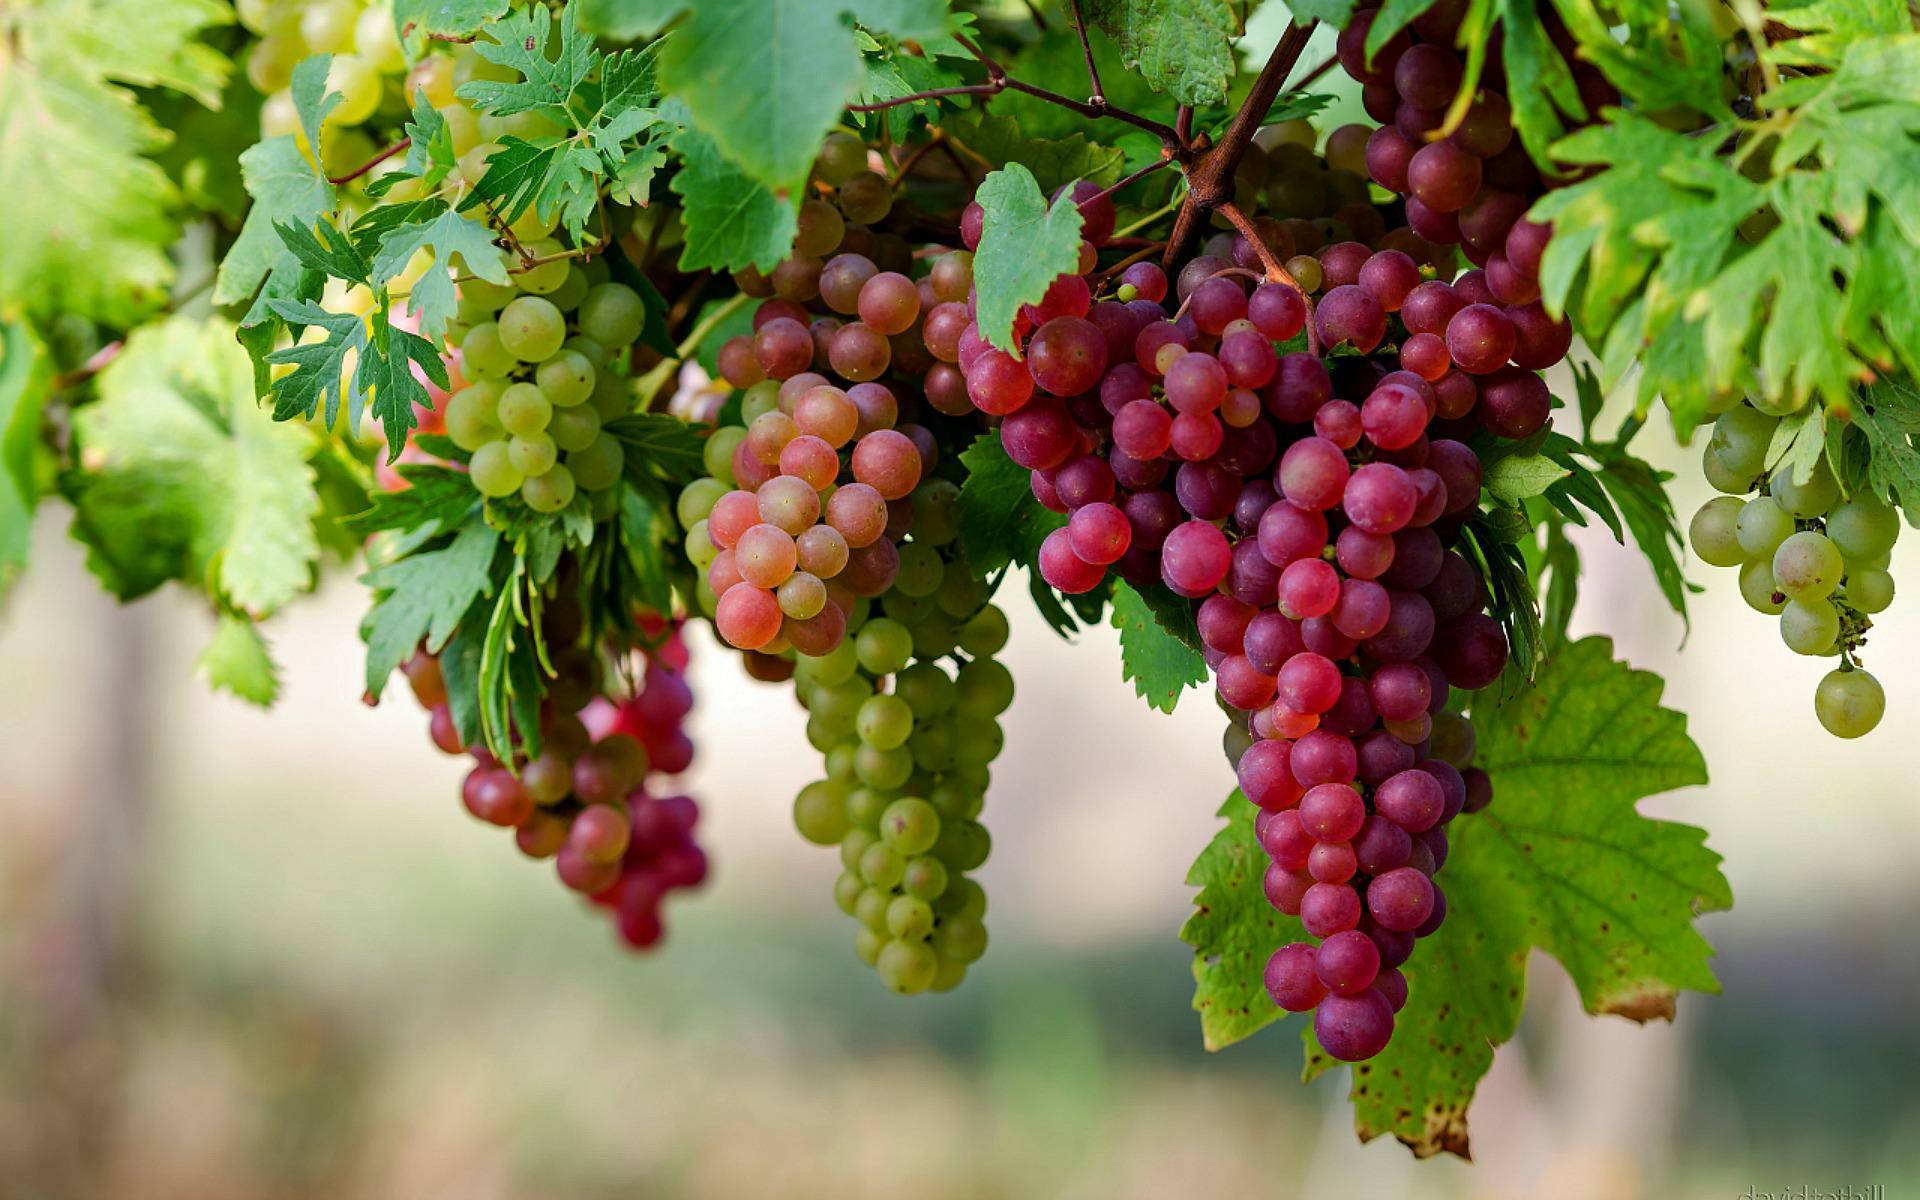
column 612, row 314
column 1862, row 527
column 548, row 492
column 1849, row 702
column 524, row 409
column 1807, row 566
column 531, row 328
column 1809, row 626
column 493, row 472
column 1714, row 531
column 1760, row 528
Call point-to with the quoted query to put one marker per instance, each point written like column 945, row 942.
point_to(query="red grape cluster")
column 592, row 800
column 1311, row 504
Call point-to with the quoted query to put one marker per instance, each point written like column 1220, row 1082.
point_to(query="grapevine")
column 584, row 326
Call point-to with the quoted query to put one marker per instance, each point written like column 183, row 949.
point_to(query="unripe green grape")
column 572, row 290
column 820, row 812
column 963, row 898
column 533, row 453
column 818, row 229
column 920, row 570
column 909, row 917
column 869, row 945
column 473, row 164
column 271, row 62
column 697, row 500
column 524, row 409
column 977, row 739
column 717, row 454
column 1740, row 439
column 883, row 646
column 613, row 398
column 908, row 610
column 1807, row 566
column 759, row 400
column 847, row 891
column 612, row 314
column 1761, row 527
column 463, row 129
column 963, row 845
column 482, row 356
column 1849, row 702
column 841, row 156
column 699, row 546
column 472, row 415
column 549, row 492
column 954, row 800
column 493, row 472
column 1869, row 589
column 934, row 507
column 531, row 329
column 527, row 126
column 933, row 747
column 587, row 348
column 961, row 939
column 865, row 806
column 327, row 26
column 985, row 632
column 854, row 846
column 489, row 296
column 359, row 86
column 1758, row 589
column 1809, row 626
column 882, row 866
column 600, row 464
column 545, row 277
column 983, row 688
column 840, row 762
column 1808, row 499
column 529, row 226
column 870, row 908
column 567, row 378
column 934, row 639
column 801, row 595
column 1863, row 527
column 1721, row 477
column 882, row 768
column 702, row 590
column 1713, row 532
column 949, row 975
column 835, row 666
column 574, row 428
column 926, row 689
column 885, row 721
column 865, row 197
column 925, row 878
column 376, row 40
column 840, row 701
column 906, row 967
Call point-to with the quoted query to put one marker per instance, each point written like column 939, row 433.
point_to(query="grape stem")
column 1275, row 272
column 1142, row 173
column 1326, row 64
column 371, row 163
column 95, row 363
column 1099, row 95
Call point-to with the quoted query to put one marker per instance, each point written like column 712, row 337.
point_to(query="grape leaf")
column 659, row 446
column 999, row 520
column 1024, row 247
column 554, row 177
column 628, row 20
column 287, row 189
column 1183, row 47
column 1159, row 664
column 432, row 299
column 183, row 476
column 549, row 76
column 1890, row 419
column 236, row 660
column 383, row 370
column 146, row 43
column 24, row 377
column 415, row 19
column 423, row 596
column 1561, row 862
column 766, row 79
column 894, row 70
column 1054, row 163
column 206, row 144
column 731, row 221
column 1518, row 477
column 646, row 529
column 436, row 498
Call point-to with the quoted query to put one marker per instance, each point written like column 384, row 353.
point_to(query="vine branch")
column 1099, row 95
column 371, row 163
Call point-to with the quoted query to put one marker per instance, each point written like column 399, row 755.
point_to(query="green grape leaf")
column 183, row 476
column 325, row 248
column 1159, row 662
column 237, row 660
column 382, row 372
column 1053, row 162
column 146, row 43
column 1518, row 477
column 436, row 498
column 1890, row 419
column 894, row 70
column 430, row 157
column 1336, row 13
column 1233, row 930
column 1183, row 47
column 24, row 379
column 1883, row 307
column 549, row 76
column 509, row 678
column 659, row 446
column 731, row 221
column 999, row 520
column 553, row 177
column 626, row 90
column 1024, row 247
column 432, row 299
column 629, row 20
column 415, row 19
column 1562, row 861
column 206, row 144
column 646, row 531
column 460, row 667
column 766, row 79
column 286, row 190
column 423, row 596
column 1829, row 27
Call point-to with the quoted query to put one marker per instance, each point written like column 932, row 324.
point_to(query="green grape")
column 1809, row 626
column 870, row 908
column 854, row 846
column 882, row 768
column 1863, row 527
column 909, row 826
column 977, row 739
column 489, row 296
column 473, row 415
column 529, row 226
column 840, row 701
column 587, row 348
column 883, row 646
column 533, row 453
column 1713, row 532
column 543, row 277
column 935, row 503
column 909, row 917
column 482, row 356
column 961, row 939
column 865, row 806
column 612, row 397
column 493, row 472
column 527, row 126
column 700, row 548
column 1758, row 589
column 801, row 596
column 1849, row 702
column 866, row 197
column 949, row 975
column 596, row 270
column 759, row 400
column 953, row 801
column 908, row 610
column 925, row 878
column 869, row 945
column 820, row 736
column 571, row 291
column 1740, row 439
column 1722, row 477
column 985, row 632
column 963, row 898
column 1808, row 499
column 600, row 464
column 524, row 409
column 359, row 86
column 920, row 570
column 983, row 688
column 960, row 594
column 697, row 500
column 841, row 155
column 882, row 866
column 531, row 328
column 1762, row 526
column 933, row 747
column 926, row 689
column 963, row 845
column 374, row 39
column 271, row 62
column 1807, row 566
column 574, row 428
column 612, row 314
column 835, row 666
column 934, row 639
column 327, row 26
column 1869, row 589
column 549, row 492
column 567, row 378
column 907, row 967
column 884, row 721
column 847, row 891
column 473, row 164
column 840, row 761
column 717, row 454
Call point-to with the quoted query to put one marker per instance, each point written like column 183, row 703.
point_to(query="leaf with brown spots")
column 1233, row 931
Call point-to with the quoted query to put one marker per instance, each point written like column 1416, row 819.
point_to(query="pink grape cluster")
column 1311, row 504
column 592, row 801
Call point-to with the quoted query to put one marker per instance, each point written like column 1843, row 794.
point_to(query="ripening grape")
column 1849, row 702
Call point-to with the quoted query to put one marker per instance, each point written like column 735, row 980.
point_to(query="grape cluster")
column 1807, row 556
column 594, row 800
column 369, row 71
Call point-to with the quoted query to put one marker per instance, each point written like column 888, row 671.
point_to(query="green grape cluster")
column 538, row 358
column 1806, row 555
column 908, row 745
